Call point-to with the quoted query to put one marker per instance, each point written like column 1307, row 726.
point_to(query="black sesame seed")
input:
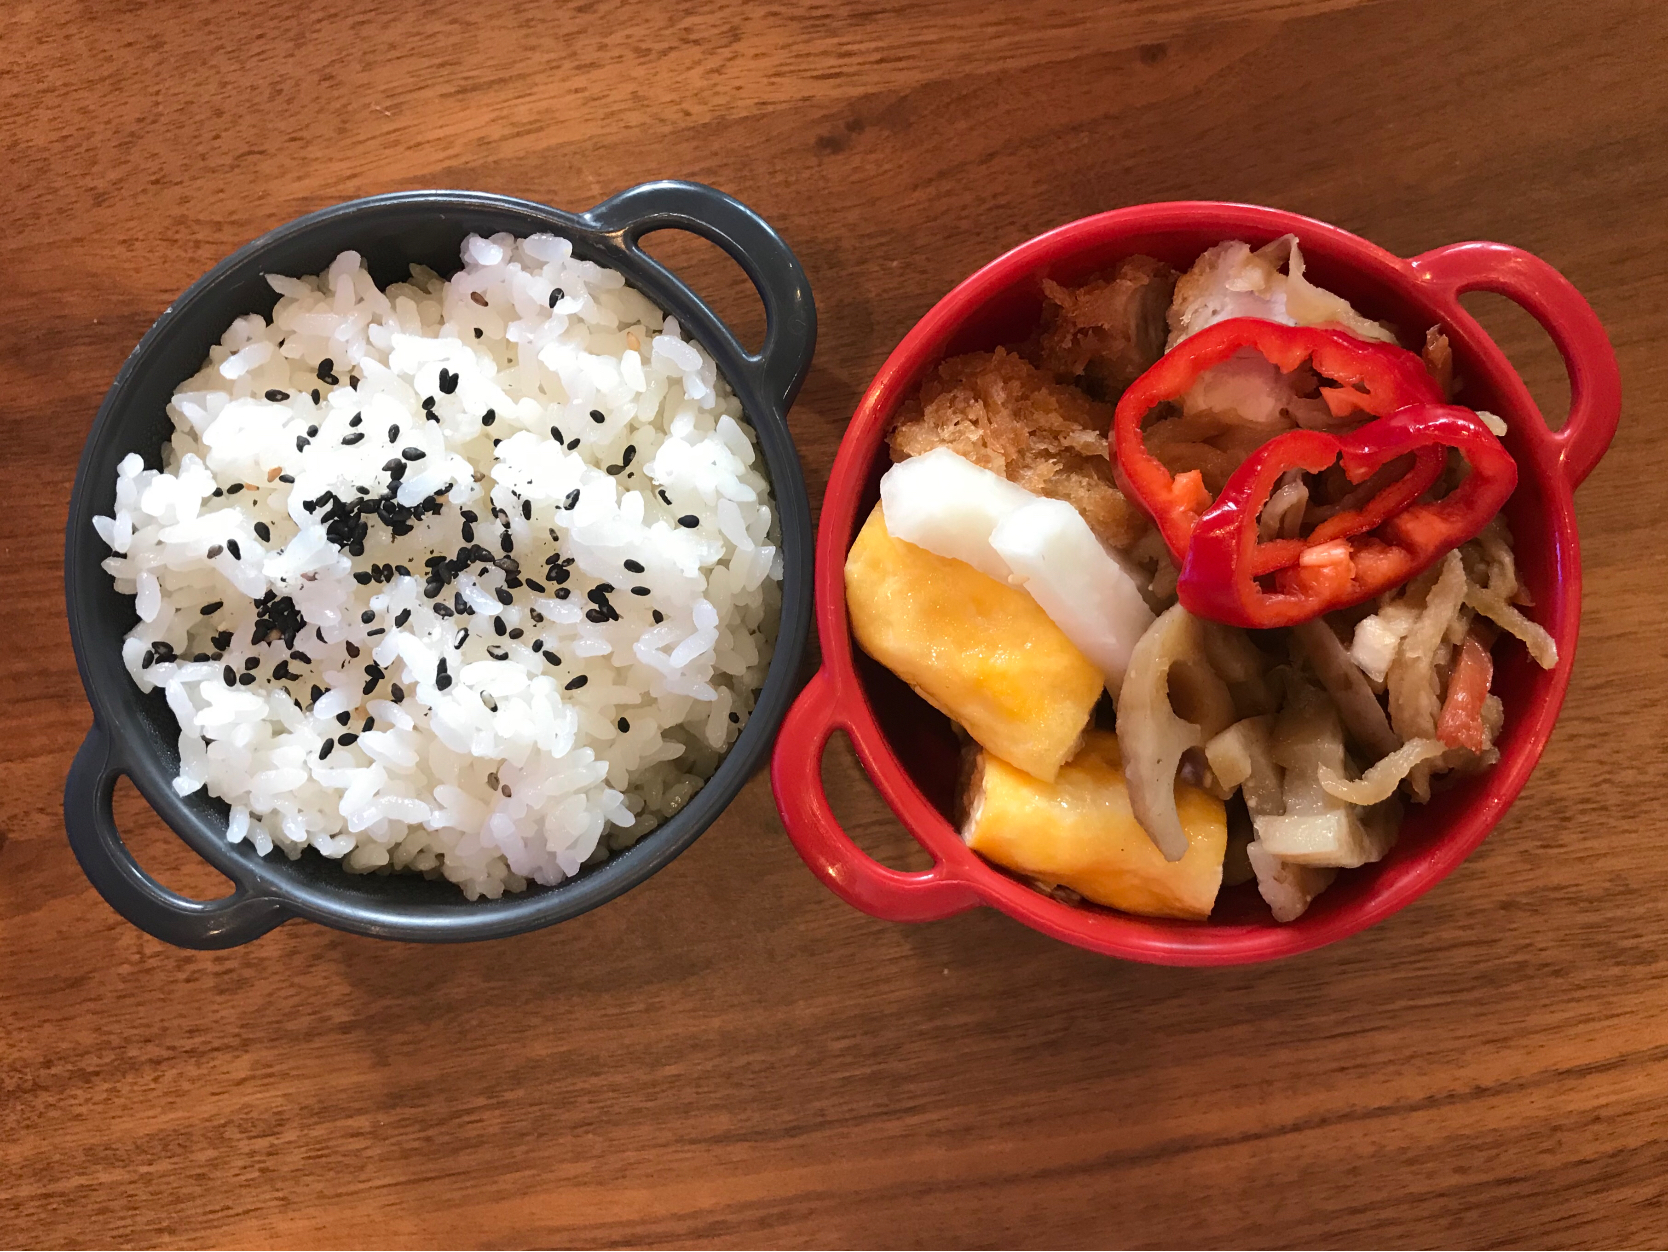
column 402, row 619
column 659, row 617
column 413, row 454
column 326, row 366
column 504, row 596
column 736, row 718
column 635, row 567
column 527, row 510
column 664, row 498
column 378, row 631
column 616, row 470
column 489, row 417
column 230, row 675
column 598, row 616
column 209, row 610
column 370, row 686
column 689, row 521
column 296, row 655
column 223, row 640
column 448, row 381
column 605, row 588
column 623, row 725
column 316, row 693
column 352, row 437
column 468, row 533
column 343, row 717
column 355, row 421
column 428, row 402
column 312, row 432
column 442, row 681
column 628, row 454
column 215, row 551
column 402, row 571
column 597, row 417
column 356, row 548
column 276, row 396
column 397, row 693
column 362, row 577
column 516, row 632
column 433, row 588
column 561, row 593
column 286, row 478
column 393, row 465
column 352, row 648
column 201, row 656
column 572, row 444
column 639, row 591
column 477, row 332
column 263, row 532
column 555, row 295
column 370, row 724
column 218, row 493
column 497, row 654
column 315, row 395
column 535, row 586
column 498, row 627
column 572, row 500
column 234, row 489
column 538, row 644
column 326, row 747
column 576, row 682
column 251, row 662
column 246, row 680
column 552, row 658
column 556, row 434
column 368, row 616
column 348, row 739
column 149, row 659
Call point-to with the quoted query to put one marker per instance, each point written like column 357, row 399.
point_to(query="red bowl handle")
column 1552, row 300
column 852, row 874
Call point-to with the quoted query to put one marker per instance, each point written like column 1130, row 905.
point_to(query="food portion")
column 981, row 652
column 472, row 577
column 1079, row 833
column 1272, row 538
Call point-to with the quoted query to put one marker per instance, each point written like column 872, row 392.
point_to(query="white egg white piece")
column 946, row 504
column 1056, row 558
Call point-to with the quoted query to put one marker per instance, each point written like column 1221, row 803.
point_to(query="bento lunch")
column 1209, row 573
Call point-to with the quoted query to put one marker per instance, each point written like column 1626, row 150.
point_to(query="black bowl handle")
column 790, row 313
column 127, row 888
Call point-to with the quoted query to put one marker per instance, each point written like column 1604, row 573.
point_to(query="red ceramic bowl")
column 908, row 748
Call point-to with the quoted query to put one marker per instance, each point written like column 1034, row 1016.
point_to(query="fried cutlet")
column 1001, row 412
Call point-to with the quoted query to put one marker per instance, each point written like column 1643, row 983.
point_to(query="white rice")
column 474, row 755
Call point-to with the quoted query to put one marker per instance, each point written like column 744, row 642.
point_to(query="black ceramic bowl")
column 136, row 735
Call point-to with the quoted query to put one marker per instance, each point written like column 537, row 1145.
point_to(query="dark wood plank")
column 728, row 1055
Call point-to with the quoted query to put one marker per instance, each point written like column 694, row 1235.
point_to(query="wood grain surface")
column 729, row 1055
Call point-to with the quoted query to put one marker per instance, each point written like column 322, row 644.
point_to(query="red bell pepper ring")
column 1356, row 555
column 1374, row 378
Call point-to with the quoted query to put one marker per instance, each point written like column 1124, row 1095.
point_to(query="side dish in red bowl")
column 1198, row 583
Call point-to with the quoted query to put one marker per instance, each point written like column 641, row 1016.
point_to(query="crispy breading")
column 1002, row 413
column 1106, row 332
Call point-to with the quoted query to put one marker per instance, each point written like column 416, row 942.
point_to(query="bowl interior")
column 391, row 233
column 922, row 738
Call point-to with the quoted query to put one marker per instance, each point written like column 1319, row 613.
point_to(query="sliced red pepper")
column 1353, row 556
column 1461, row 723
column 1374, row 378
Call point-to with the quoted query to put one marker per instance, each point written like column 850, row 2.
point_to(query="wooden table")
column 729, row 1055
